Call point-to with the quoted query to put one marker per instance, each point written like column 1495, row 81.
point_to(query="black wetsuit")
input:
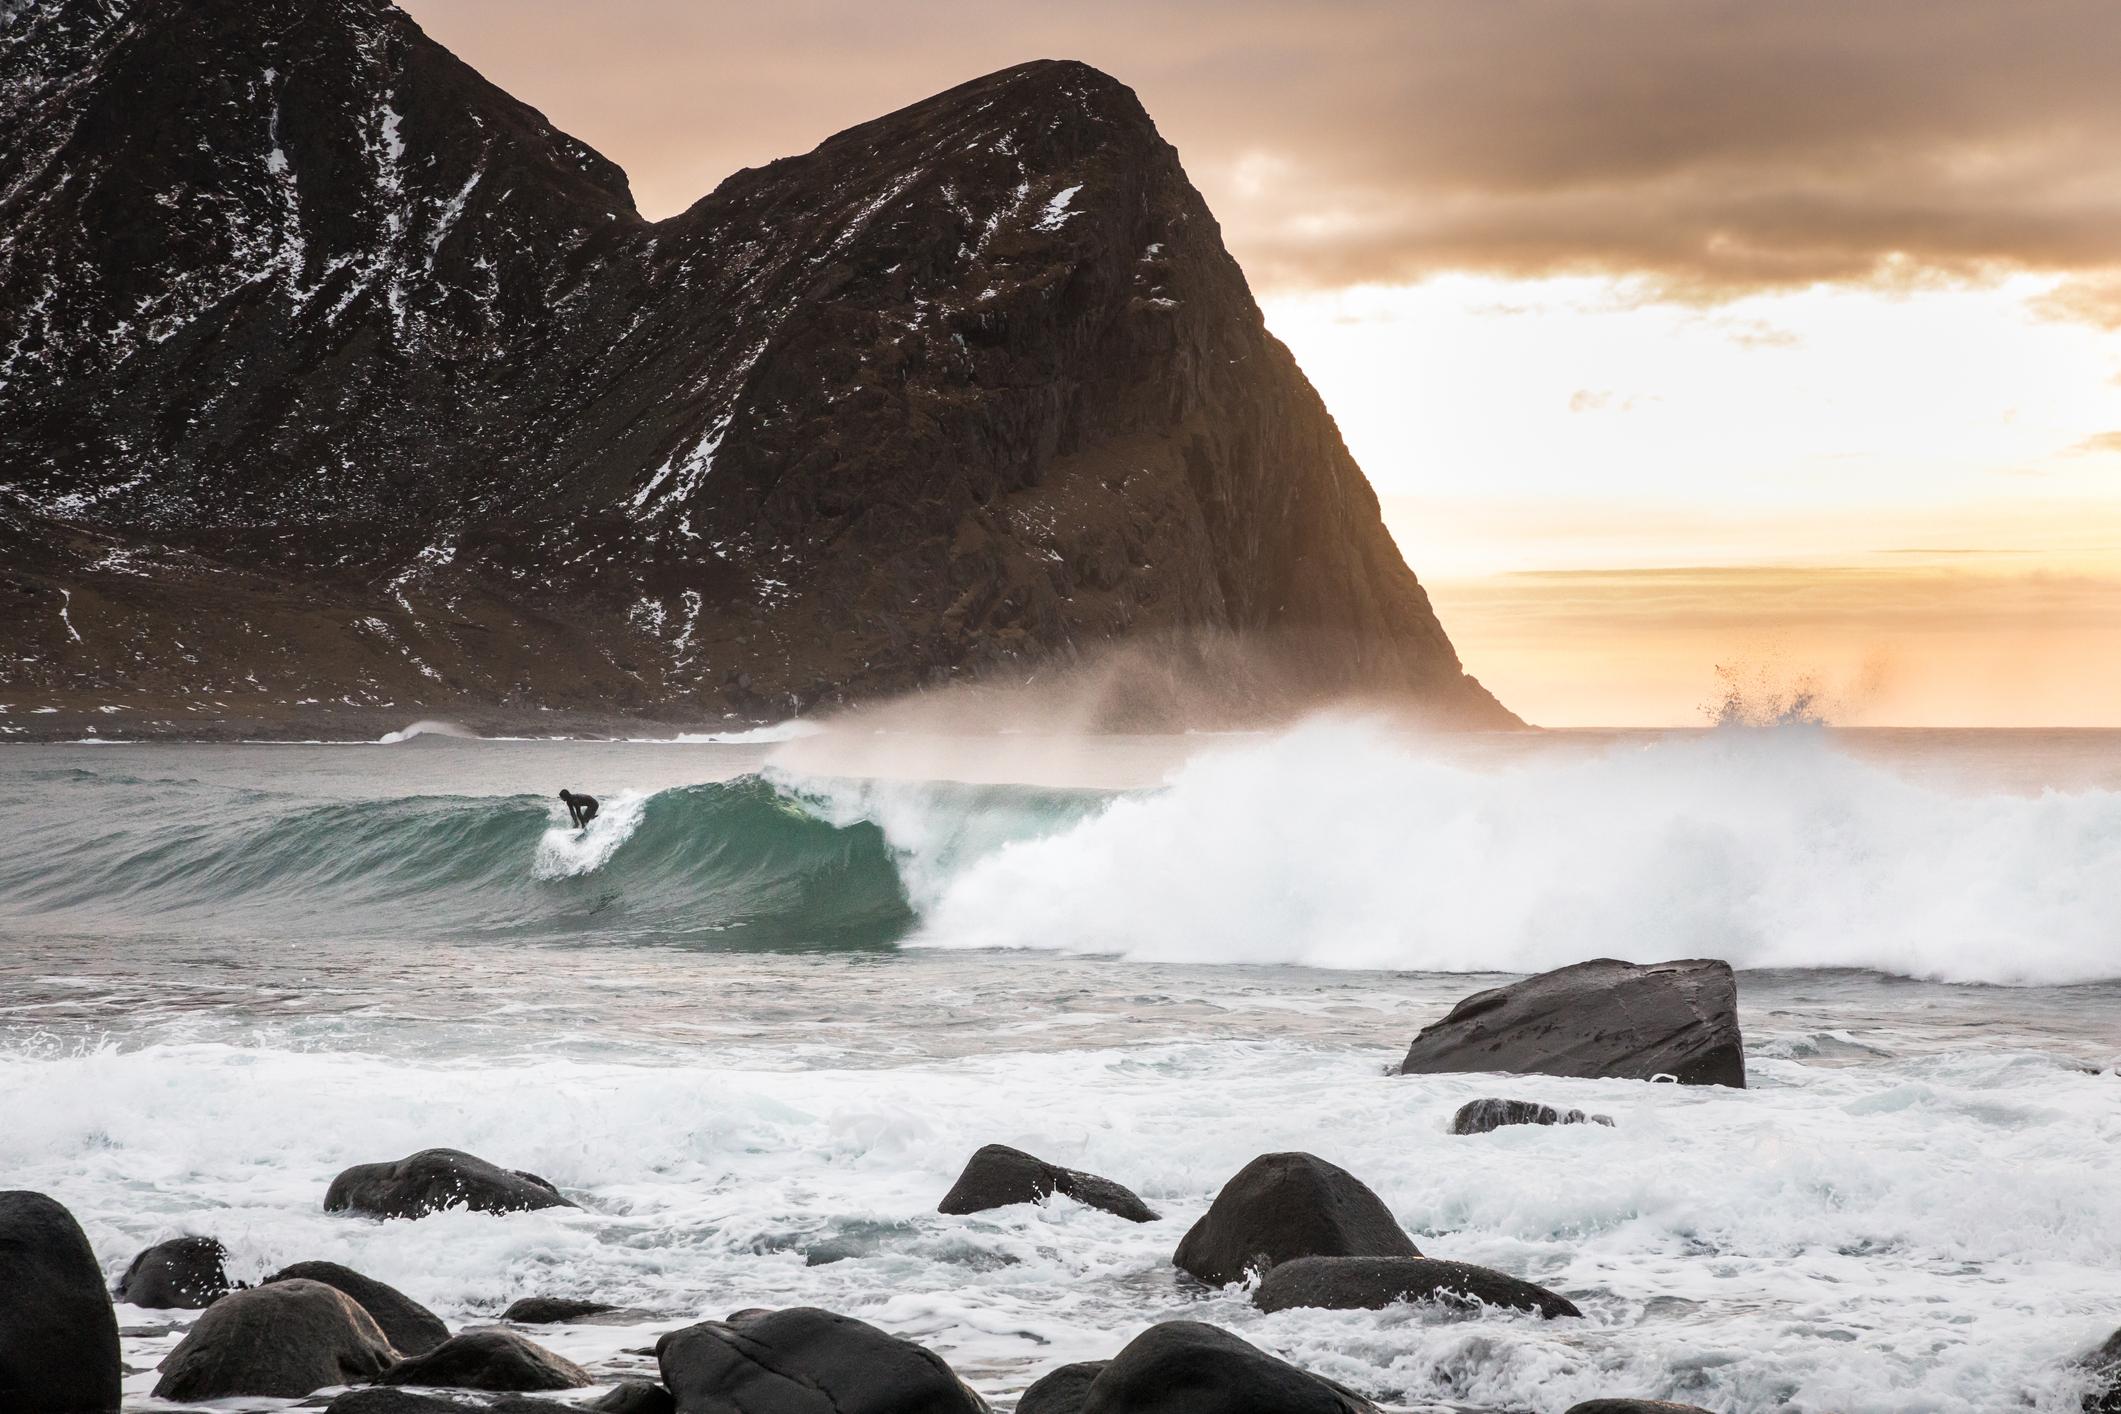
column 582, row 807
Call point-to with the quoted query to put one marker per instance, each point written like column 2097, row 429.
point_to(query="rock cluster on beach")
column 1298, row 1230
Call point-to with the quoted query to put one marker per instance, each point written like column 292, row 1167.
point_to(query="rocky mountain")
column 334, row 379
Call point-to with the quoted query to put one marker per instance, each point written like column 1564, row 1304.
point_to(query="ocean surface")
column 758, row 1015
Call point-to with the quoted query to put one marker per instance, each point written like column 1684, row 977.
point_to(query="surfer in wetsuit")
column 581, row 808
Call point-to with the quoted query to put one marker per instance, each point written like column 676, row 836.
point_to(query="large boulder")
column 1601, row 1019
column 1482, row 1116
column 491, row 1359
column 184, row 1273
column 998, row 1176
column 805, row 1361
column 411, row 1328
column 434, row 1179
column 1372, row 1283
column 566, row 1310
column 285, row 1339
column 1061, row 1391
column 58, row 1334
column 1284, row 1206
column 1634, row 1406
column 635, row 1397
column 1185, row 1367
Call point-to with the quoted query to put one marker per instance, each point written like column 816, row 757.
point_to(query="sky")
column 1689, row 344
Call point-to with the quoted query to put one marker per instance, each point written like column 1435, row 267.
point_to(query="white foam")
column 1340, row 845
column 564, row 851
column 793, row 729
column 424, row 727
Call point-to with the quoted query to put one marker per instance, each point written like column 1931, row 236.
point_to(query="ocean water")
column 759, row 1014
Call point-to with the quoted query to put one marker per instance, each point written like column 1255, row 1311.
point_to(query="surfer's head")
column 566, row 795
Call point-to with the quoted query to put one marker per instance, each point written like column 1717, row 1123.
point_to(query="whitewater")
column 757, row 1016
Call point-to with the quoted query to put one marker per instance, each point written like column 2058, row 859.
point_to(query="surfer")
column 582, row 808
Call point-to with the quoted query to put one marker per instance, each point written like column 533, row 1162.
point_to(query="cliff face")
column 329, row 371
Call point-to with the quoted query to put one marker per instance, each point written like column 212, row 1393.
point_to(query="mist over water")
column 758, row 1014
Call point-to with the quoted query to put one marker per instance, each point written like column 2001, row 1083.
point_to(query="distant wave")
column 1333, row 845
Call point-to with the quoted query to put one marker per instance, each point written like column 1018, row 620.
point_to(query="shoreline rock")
column 58, row 1334
column 1283, row 1206
column 1189, row 1367
column 1373, row 1283
column 1602, row 1019
column 500, row 1361
column 801, row 1360
column 182, row 1274
column 410, row 1328
column 286, row 1339
column 998, row 1176
column 436, row 1179
column 1486, row 1116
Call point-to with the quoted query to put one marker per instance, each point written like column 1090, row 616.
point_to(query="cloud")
column 2093, row 300
column 2107, row 442
column 1710, row 147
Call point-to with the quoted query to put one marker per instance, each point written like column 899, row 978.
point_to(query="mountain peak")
column 290, row 296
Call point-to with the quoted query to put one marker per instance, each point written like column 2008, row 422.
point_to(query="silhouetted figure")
column 582, row 808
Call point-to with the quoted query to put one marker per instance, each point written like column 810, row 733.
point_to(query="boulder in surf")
column 2105, row 1367
column 1283, row 1206
column 184, row 1273
column 635, row 1397
column 383, row 1399
column 488, row 1359
column 801, row 1360
column 1202, row 1369
column 435, row 1179
column 411, row 1328
column 1634, row 1406
column 1483, row 1116
column 285, row 1339
column 1373, row 1283
column 1602, row 1019
column 1061, row 1391
column 58, row 1334
column 998, row 1176
column 553, row 1310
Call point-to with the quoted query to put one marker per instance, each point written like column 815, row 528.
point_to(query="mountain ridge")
column 381, row 392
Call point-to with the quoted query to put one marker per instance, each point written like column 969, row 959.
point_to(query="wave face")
column 1334, row 845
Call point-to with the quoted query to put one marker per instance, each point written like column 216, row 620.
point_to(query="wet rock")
column 636, row 1397
column 490, row 1359
column 58, row 1334
column 435, row 1179
column 1283, row 1206
column 1061, row 1391
column 805, row 1361
column 381, row 1399
column 411, row 1328
column 1481, row 1116
column 998, row 1176
column 285, row 1339
column 1600, row 1019
column 1634, row 1406
column 2105, row 1366
column 553, row 1310
column 1185, row 1367
column 1372, row 1283
column 184, row 1273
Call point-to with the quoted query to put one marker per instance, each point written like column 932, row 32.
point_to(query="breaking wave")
column 1333, row 845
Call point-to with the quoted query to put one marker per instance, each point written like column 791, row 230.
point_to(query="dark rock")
column 636, row 1397
column 491, row 1359
column 1185, row 1367
column 434, row 1179
column 2105, row 1367
column 1372, row 1283
column 1061, row 1391
column 381, row 1399
column 402, row 419
column 184, row 1273
column 1601, row 1019
column 285, row 1339
column 553, row 1310
column 998, row 1176
column 1481, row 1116
column 805, row 1361
column 1633, row 1406
column 411, row 1328
column 1283, row 1206
column 58, row 1334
